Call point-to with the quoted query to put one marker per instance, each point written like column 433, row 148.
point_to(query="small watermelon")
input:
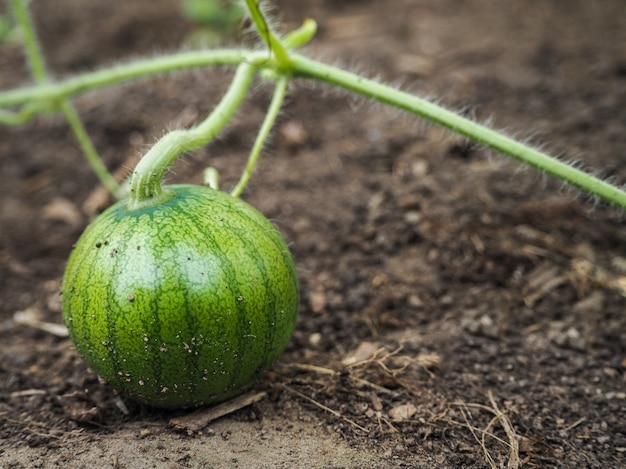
column 183, row 303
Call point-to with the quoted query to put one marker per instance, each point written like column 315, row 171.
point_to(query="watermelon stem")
column 146, row 184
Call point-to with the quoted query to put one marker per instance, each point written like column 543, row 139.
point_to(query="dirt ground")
column 457, row 310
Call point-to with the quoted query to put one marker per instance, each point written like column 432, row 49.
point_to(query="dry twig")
column 514, row 461
column 199, row 419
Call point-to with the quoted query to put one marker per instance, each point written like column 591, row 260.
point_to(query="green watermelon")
column 183, row 303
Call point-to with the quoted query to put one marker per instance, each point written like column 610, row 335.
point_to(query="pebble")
column 403, row 412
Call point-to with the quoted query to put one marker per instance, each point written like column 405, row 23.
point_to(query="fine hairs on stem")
column 145, row 186
column 277, row 61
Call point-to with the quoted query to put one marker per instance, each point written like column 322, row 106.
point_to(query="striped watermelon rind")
column 184, row 303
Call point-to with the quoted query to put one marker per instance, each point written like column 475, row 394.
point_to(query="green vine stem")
column 313, row 69
column 37, row 99
column 267, row 34
column 145, row 186
column 88, row 148
column 18, row 118
column 38, row 70
column 272, row 112
column 53, row 92
column 301, row 36
column 29, row 38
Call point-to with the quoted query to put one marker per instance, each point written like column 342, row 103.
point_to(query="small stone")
column 415, row 301
column 365, row 351
column 317, row 301
column 402, row 412
column 294, row 134
column 315, row 339
column 412, row 217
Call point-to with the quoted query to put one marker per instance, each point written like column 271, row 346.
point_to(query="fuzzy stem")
column 301, row 36
column 38, row 68
column 31, row 45
column 125, row 72
column 17, row 118
column 267, row 34
column 86, row 145
column 307, row 68
column 145, row 186
column 303, row 66
column 268, row 122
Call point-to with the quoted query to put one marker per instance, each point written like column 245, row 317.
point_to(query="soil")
column 458, row 310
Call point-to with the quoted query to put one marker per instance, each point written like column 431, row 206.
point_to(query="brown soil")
column 484, row 302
